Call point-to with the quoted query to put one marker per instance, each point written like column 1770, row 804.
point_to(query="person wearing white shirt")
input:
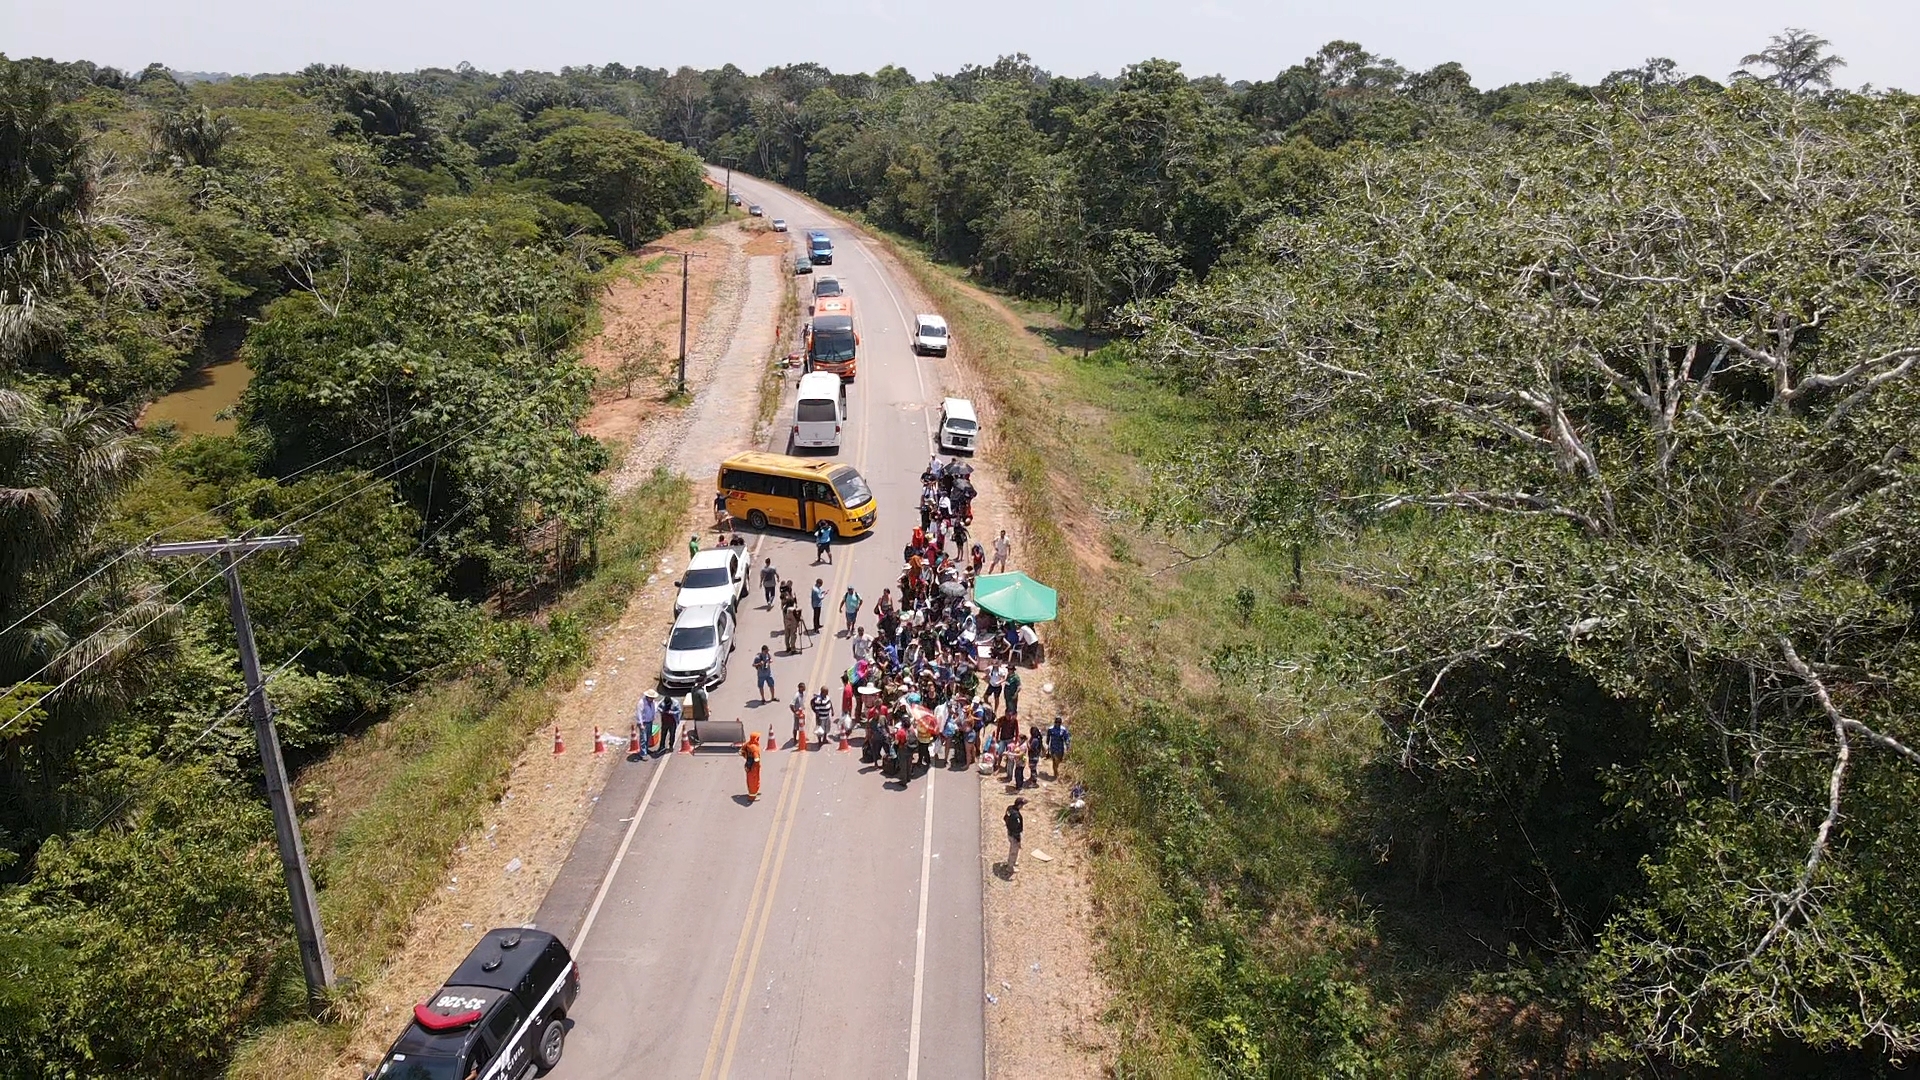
column 645, row 718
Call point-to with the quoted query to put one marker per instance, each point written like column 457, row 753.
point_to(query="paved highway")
column 832, row 929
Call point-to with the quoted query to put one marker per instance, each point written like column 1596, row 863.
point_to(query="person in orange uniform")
column 751, row 752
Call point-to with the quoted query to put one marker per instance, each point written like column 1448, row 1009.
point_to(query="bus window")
column 820, row 493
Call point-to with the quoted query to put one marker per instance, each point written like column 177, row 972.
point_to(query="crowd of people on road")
column 936, row 683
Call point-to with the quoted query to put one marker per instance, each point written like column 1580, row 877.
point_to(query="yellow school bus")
column 797, row 493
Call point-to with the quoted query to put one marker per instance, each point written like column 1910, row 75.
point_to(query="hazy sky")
column 1499, row 41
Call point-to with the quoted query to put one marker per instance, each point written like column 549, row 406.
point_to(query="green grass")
column 771, row 381
column 1233, row 932
column 400, row 798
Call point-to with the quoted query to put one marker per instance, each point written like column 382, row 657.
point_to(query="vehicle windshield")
column 833, row 345
column 823, row 412
column 930, row 330
column 690, row 637
column 827, row 287
column 962, row 425
column 415, row 1067
column 821, row 243
column 851, row 487
column 709, row 577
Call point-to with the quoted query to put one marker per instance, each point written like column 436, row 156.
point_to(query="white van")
column 959, row 427
column 929, row 335
column 820, row 410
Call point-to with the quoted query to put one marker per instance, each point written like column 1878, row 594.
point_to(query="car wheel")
column 552, row 1040
column 757, row 519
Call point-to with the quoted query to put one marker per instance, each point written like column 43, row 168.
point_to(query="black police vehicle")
column 502, row 1016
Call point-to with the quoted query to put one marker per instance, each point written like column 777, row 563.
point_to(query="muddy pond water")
column 194, row 406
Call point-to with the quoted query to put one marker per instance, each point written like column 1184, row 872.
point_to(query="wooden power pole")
column 314, row 958
column 686, row 260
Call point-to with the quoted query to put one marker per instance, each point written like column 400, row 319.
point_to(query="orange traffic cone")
column 599, row 742
column 844, row 747
column 773, row 741
column 558, row 746
column 686, row 742
column 801, row 744
column 633, row 742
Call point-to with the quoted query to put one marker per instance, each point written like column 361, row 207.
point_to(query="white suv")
column 714, row 576
column 929, row 335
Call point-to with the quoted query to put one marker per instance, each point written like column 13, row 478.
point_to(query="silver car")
column 697, row 648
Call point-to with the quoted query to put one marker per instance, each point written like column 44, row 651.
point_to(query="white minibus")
column 820, row 410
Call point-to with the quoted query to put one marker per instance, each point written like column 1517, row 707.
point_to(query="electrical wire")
column 274, row 676
column 360, row 483
column 141, row 544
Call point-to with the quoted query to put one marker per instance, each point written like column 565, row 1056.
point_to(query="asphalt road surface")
column 833, row 928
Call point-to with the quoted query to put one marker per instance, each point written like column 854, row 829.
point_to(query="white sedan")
column 779, row 224
column 714, row 576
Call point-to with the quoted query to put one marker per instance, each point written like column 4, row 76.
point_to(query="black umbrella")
column 953, row 588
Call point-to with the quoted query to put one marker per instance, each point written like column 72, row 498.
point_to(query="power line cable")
column 359, row 483
column 210, row 512
column 274, row 676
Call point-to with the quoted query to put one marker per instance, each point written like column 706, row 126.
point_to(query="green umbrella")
column 1016, row 596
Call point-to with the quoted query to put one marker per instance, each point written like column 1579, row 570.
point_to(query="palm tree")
column 69, row 608
column 194, row 136
column 45, row 190
column 43, row 175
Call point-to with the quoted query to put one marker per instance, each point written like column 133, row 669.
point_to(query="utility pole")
column 314, row 958
column 686, row 261
column 728, row 209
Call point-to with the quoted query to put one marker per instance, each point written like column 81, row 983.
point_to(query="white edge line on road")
column 580, row 939
column 920, row 936
column 606, row 883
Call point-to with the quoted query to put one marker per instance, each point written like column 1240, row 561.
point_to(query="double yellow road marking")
column 731, row 1015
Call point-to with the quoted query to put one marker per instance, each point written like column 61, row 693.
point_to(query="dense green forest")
column 410, row 303
column 1599, row 396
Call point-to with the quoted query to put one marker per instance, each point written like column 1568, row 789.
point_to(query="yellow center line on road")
column 760, row 902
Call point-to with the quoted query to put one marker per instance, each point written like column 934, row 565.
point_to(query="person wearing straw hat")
column 645, row 716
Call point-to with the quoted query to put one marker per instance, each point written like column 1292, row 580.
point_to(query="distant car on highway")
column 779, row 224
column 734, row 198
column 697, row 648
column 756, row 211
column 714, row 576
column 803, row 265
